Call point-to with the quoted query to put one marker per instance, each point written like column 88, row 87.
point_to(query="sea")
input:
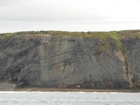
column 68, row 98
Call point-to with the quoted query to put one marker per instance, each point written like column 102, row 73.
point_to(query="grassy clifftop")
column 116, row 35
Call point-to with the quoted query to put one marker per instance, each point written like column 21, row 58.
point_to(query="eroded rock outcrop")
column 71, row 60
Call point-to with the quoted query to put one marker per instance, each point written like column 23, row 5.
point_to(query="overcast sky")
column 69, row 15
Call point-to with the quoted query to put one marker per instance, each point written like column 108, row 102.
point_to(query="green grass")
column 103, row 48
column 115, row 35
column 117, row 39
column 105, row 36
column 102, row 36
column 8, row 35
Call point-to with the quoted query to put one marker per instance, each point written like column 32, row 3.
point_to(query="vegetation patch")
column 8, row 35
column 106, row 47
column 117, row 39
column 103, row 47
column 115, row 35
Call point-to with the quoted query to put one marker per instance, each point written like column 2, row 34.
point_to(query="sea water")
column 68, row 98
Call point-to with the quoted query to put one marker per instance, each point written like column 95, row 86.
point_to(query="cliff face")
column 51, row 60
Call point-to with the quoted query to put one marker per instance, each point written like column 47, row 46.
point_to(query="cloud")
column 58, row 10
column 69, row 14
column 8, row 2
column 49, row 10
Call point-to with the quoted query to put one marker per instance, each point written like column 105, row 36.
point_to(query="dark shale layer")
column 54, row 59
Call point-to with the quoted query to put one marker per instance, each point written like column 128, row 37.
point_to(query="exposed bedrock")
column 49, row 60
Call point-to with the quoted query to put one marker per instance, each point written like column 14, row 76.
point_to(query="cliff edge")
column 54, row 59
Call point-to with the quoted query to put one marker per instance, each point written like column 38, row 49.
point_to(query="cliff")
column 98, row 60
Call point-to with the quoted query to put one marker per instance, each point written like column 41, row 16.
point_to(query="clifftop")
column 101, row 60
column 100, row 35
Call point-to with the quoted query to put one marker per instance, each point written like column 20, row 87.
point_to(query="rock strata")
column 98, row 60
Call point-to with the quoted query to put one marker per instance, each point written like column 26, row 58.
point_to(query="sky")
column 69, row 15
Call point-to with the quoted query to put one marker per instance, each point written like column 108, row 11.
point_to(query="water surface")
column 68, row 98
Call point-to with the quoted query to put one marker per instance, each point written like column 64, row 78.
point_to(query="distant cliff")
column 100, row 60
